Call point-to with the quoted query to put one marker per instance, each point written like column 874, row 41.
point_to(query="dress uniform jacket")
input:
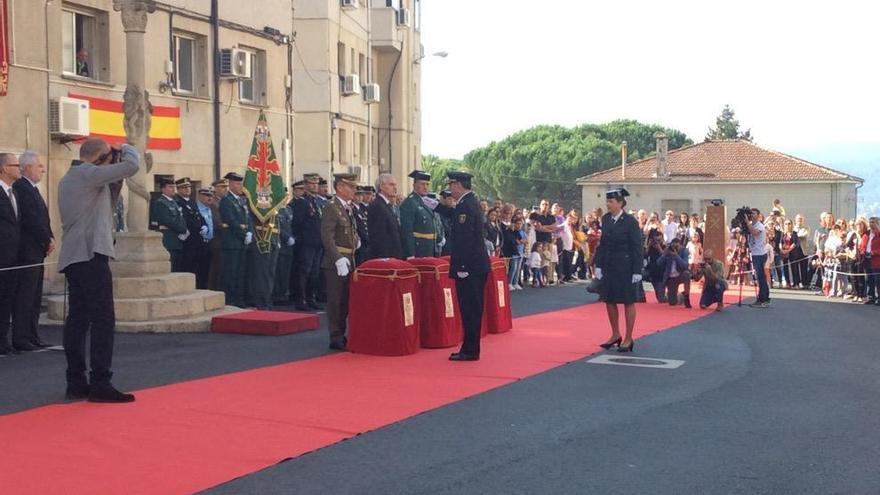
column 194, row 223
column 285, row 254
column 361, row 218
column 340, row 239
column 468, row 244
column 384, row 230
column 168, row 219
column 235, row 223
column 620, row 256
column 418, row 231
column 307, row 221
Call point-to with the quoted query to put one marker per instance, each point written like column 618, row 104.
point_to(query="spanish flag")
column 105, row 121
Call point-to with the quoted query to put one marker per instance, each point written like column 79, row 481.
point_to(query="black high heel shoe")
column 609, row 345
column 628, row 348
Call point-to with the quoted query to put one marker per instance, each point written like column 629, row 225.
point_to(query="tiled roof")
column 723, row 161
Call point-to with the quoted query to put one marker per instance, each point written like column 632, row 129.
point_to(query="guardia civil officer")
column 418, row 233
column 237, row 236
column 469, row 265
column 167, row 218
column 307, row 229
column 340, row 239
column 299, row 190
column 446, row 199
column 619, row 267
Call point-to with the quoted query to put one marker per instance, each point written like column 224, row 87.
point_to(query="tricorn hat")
column 419, row 175
column 233, row 177
column 165, row 181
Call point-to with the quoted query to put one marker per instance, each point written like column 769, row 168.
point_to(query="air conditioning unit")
column 403, row 18
column 356, row 170
column 351, row 85
column 235, row 63
column 349, row 4
column 371, row 93
column 68, row 117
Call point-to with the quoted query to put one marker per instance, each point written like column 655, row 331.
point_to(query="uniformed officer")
column 469, row 266
column 340, row 239
column 195, row 224
column 446, row 199
column 285, row 254
column 438, row 228
column 168, row 219
column 360, row 215
column 418, row 234
column 262, row 261
column 215, row 274
column 307, row 229
column 323, row 198
column 237, row 236
column 299, row 190
column 212, row 240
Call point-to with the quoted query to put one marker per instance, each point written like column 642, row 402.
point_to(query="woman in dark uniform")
column 619, row 267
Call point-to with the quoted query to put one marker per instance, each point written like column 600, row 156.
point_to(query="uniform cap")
column 182, row 182
column 350, row 179
column 299, row 184
column 445, row 193
column 420, row 175
column 618, row 193
column 206, row 192
column 312, row 178
column 221, row 182
column 165, row 181
column 233, row 177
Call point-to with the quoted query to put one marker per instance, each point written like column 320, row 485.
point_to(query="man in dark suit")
column 383, row 227
column 36, row 243
column 469, row 264
column 10, row 230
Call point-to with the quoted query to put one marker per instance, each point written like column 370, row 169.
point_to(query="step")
column 171, row 284
column 194, row 324
column 154, row 308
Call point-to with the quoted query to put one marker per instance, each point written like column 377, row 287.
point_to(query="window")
column 362, row 68
column 354, row 61
column 340, row 63
column 184, row 64
column 362, row 149
column 417, row 14
column 83, row 36
column 343, row 146
column 253, row 89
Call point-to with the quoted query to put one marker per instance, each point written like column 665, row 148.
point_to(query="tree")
column 727, row 127
column 438, row 167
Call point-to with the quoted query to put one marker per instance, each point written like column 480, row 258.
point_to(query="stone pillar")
column 136, row 105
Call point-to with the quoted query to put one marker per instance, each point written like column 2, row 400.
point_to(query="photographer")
column 758, row 248
column 86, row 248
column 675, row 273
column 714, row 285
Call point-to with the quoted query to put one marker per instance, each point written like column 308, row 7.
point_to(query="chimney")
column 623, row 160
column 662, row 152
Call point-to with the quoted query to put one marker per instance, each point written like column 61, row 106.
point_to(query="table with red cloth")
column 438, row 300
column 497, row 317
column 384, row 308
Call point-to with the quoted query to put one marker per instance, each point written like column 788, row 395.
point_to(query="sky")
column 804, row 76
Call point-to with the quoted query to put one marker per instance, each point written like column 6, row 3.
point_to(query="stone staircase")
column 148, row 297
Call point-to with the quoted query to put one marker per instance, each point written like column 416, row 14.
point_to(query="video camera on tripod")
column 740, row 222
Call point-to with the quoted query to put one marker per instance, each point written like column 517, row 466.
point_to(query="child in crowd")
column 554, row 260
column 536, row 260
column 546, row 263
column 695, row 252
column 771, row 258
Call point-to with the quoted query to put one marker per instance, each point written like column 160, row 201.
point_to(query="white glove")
column 441, row 243
column 203, row 230
column 343, row 266
column 430, row 202
column 291, row 241
column 636, row 278
column 184, row 236
column 248, row 238
column 410, row 258
column 599, row 273
column 462, row 274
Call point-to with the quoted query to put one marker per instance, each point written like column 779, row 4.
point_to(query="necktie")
column 11, row 195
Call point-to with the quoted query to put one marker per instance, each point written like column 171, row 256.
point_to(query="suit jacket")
column 468, row 244
column 384, row 230
column 338, row 234
column 10, row 230
column 36, row 231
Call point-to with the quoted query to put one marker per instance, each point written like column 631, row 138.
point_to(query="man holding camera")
column 758, row 248
column 84, row 201
column 714, row 285
column 676, row 273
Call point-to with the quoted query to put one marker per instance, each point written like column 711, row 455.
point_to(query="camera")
column 741, row 220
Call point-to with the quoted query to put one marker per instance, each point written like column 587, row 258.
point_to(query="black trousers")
column 261, row 276
column 566, row 264
column 203, row 267
column 28, row 297
column 91, row 310
column 307, row 272
column 8, row 281
column 470, row 301
column 177, row 261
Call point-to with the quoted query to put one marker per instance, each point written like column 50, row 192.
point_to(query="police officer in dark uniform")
column 285, row 254
column 195, row 224
column 469, row 265
column 167, row 218
column 360, row 216
column 307, row 230
column 619, row 267
column 299, row 190
column 237, row 236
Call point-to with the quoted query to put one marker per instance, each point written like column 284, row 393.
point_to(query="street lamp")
column 441, row 54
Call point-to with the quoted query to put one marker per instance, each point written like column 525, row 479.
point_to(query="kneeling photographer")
column 674, row 262
column 714, row 285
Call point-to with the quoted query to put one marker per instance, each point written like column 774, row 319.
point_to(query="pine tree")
column 727, row 127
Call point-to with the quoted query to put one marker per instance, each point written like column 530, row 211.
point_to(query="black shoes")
column 313, row 305
column 25, row 347
column 624, row 348
column 301, row 306
column 459, row 356
column 77, row 392
column 609, row 345
column 5, row 349
column 108, row 394
column 39, row 343
column 338, row 346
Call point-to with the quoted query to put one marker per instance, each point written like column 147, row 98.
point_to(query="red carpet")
column 194, row 435
column 272, row 323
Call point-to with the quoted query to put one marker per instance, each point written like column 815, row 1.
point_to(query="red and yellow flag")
column 106, row 116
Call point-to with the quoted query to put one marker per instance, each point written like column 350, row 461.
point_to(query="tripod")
column 741, row 259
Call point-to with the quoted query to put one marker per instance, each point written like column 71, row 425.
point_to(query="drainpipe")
column 215, row 41
column 390, row 116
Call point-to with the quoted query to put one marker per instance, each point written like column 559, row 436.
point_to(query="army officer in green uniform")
column 236, row 238
column 418, row 231
column 167, row 218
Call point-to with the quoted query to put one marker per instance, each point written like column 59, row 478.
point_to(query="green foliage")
column 546, row 161
column 727, row 127
column 438, row 167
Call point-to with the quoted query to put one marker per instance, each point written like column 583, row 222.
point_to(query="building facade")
column 737, row 172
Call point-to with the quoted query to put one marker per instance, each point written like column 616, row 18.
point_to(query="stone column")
column 136, row 105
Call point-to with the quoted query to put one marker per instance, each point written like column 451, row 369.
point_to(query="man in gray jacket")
column 86, row 249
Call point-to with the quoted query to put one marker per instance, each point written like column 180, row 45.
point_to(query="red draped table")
column 497, row 317
column 440, row 316
column 384, row 308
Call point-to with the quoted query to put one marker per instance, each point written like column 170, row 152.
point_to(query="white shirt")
column 758, row 243
column 870, row 240
column 669, row 230
column 617, row 217
column 387, row 201
column 567, row 239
